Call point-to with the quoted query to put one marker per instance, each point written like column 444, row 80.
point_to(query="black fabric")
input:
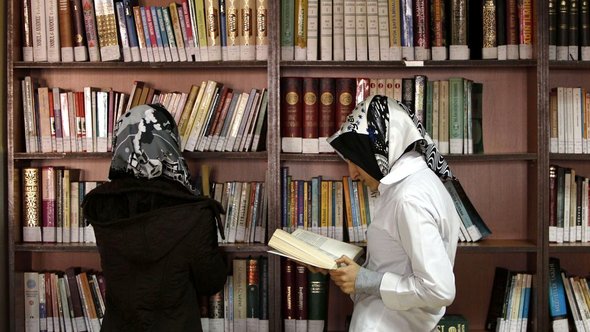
column 158, row 248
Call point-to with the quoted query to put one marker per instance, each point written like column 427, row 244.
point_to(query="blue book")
column 222, row 29
column 163, row 33
column 151, row 10
column 407, row 24
column 146, row 33
column 557, row 302
column 130, row 22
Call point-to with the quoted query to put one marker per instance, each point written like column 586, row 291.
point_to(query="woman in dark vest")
column 156, row 236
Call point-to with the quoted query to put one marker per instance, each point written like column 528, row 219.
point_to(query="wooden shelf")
column 413, row 64
column 569, row 65
column 108, row 155
column 569, row 248
column 569, row 156
column 497, row 246
column 455, row 158
column 91, row 247
column 229, row 65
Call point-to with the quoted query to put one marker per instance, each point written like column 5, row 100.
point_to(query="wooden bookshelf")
column 508, row 184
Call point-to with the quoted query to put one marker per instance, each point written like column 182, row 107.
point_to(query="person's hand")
column 345, row 276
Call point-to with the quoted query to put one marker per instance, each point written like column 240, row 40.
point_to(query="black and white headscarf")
column 146, row 145
column 378, row 131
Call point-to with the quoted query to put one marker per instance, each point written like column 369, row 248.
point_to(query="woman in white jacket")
column 407, row 279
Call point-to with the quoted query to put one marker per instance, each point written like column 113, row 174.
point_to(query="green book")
column 287, row 30
column 317, row 301
column 456, row 115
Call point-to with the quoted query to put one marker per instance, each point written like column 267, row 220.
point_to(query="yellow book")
column 173, row 7
column 213, row 38
column 261, row 30
column 232, row 14
column 195, row 133
column 184, row 134
column 324, row 207
column 248, row 30
column 186, row 110
column 300, row 29
column 202, row 26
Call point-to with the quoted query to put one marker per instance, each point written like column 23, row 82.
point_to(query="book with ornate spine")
column 48, row 203
column 213, row 38
column 233, row 17
column 438, row 19
column 106, row 24
column 291, row 114
column 584, row 30
column 345, row 99
column 327, row 109
column 88, row 11
column 176, row 27
column 32, row 222
column 407, row 29
column 422, row 29
column 247, row 30
column 489, row 47
column 458, row 49
column 39, row 30
column 310, row 115
column 27, row 31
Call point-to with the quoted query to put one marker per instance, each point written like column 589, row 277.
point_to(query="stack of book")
column 382, row 30
column 569, row 117
column 568, row 299
column 569, row 30
column 509, row 301
column 108, row 30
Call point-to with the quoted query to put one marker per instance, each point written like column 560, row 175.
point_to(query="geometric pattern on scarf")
column 146, row 145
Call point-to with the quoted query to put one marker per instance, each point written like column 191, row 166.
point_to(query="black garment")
column 158, row 250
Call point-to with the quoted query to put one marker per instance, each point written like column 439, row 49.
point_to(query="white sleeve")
column 432, row 282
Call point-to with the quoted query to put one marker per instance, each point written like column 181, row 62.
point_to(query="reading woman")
column 156, row 237
column 407, row 279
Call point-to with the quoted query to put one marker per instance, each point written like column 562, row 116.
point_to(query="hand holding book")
column 312, row 249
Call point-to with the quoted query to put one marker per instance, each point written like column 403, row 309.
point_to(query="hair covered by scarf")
column 146, row 145
column 379, row 131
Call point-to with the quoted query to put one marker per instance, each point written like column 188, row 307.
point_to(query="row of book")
column 245, row 203
column 304, row 298
column 569, row 299
column 390, row 30
column 313, row 108
column 339, row 209
column 568, row 204
column 243, row 303
column 211, row 116
column 569, row 30
column 73, row 300
column 108, row 30
column 510, row 301
column 569, row 117
column 343, row 209
column 51, row 205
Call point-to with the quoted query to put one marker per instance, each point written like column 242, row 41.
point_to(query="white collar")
column 408, row 163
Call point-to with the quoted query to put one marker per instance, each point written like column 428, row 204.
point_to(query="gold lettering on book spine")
column 489, row 24
column 232, row 24
column 31, row 197
column 212, row 16
column 527, row 23
column 261, row 32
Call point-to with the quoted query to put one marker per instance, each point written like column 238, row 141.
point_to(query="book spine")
column 32, row 221
column 48, row 191
column 422, row 29
column 326, row 123
column 310, row 113
column 407, row 29
column 489, row 31
column 39, row 30
column 312, row 29
column 90, row 28
column 361, row 30
column 233, row 17
column 213, row 31
column 52, row 31
column 291, row 107
column 27, row 31
column 338, row 30
column 345, row 99
column 79, row 32
column 248, row 30
column 525, row 16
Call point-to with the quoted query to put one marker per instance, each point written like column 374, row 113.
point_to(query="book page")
column 332, row 247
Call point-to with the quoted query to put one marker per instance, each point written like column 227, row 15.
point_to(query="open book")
column 311, row 248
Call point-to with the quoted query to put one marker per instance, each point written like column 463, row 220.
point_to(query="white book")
column 569, row 120
column 350, row 30
column 65, row 122
column 89, row 119
column 31, row 300
column 383, row 28
column 338, row 30
column 312, row 29
column 361, row 30
column 102, row 109
column 251, row 121
column 233, row 211
column 58, row 144
column 236, row 120
column 561, row 128
column 244, row 203
column 52, row 30
column 578, row 119
column 326, row 38
column 38, row 16
column 311, row 249
column 573, row 307
column 373, row 25
column 63, row 297
column 246, row 117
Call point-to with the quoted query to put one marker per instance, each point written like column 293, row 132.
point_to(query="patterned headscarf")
column 146, row 145
column 378, row 131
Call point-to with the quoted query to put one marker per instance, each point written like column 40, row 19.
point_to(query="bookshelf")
column 508, row 184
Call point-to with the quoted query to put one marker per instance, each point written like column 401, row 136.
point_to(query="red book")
column 422, row 28
column 345, row 97
column 291, row 107
column 327, row 107
column 310, row 107
column 48, row 203
column 288, row 290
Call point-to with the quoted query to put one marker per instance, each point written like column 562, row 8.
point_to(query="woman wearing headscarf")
column 157, row 238
column 407, row 279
